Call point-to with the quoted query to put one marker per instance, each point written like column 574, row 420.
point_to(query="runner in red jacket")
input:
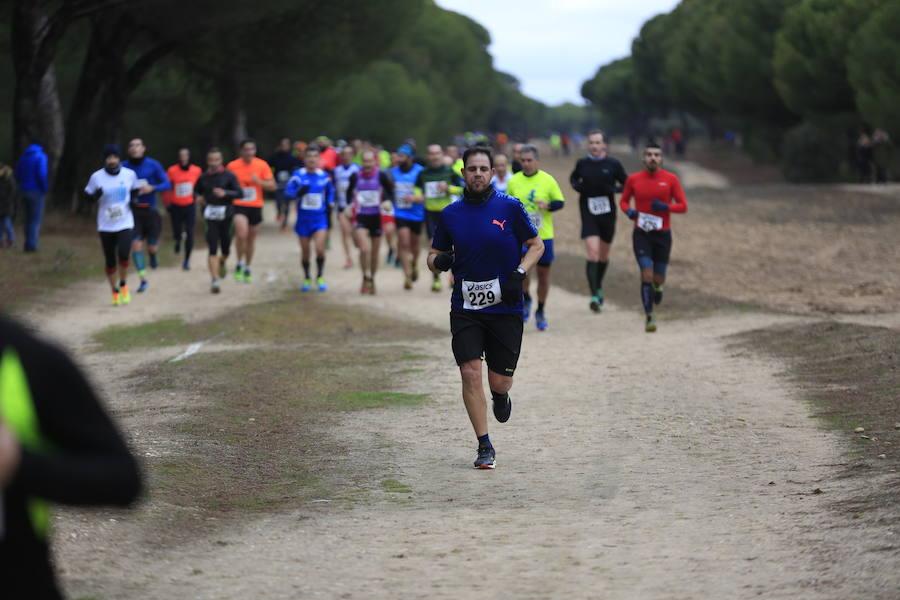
column 657, row 194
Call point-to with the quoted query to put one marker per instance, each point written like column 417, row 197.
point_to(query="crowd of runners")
column 489, row 217
column 360, row 193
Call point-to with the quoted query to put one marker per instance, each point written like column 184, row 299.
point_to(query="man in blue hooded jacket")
column 31, row 175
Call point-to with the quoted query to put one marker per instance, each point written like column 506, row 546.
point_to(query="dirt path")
column 635, row 466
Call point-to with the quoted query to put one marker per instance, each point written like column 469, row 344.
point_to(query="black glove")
column 659, row 206
column 443, row 261
column 511, row 289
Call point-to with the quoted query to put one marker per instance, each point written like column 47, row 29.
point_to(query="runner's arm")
column 620, row 176
column 418, row 189
column 680, row 202
column 527, row 235
column 455, row 186
column 575, row 179
column 557, row 200
column 88, row 462
column 441, row 244
column 351, row 186
column 387, row 184
column 535, row 250
column 293, row 186
column 329, row 193
column 268, row 183
column 161, row 180
column 627, row 192
column 233, row 189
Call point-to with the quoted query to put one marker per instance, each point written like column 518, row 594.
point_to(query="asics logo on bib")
column 500, row 224
column 476, row 286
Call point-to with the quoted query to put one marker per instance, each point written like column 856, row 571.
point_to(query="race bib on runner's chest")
column 249, row 194
column 649, row 222
column 401, row 191
column 214, row 213
column 433, row 189
column 184, row 189
column 114, row 212
column 368, row 198
column 599, row 205
column 311, row 202
column 537, row 219
column 481, row 294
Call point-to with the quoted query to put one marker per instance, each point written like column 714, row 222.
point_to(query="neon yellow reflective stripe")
column 15, row 401
column 18, row 413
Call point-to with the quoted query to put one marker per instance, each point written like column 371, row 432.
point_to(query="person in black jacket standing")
column 596, row 178
column 217, row 188
column 57, row 444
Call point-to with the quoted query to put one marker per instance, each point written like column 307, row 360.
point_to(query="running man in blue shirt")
column 481, row 239
column 151, row 179
column 409, row 209
column 315, row 194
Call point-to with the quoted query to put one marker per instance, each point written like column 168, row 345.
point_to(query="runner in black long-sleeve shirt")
column 57, row 444
column 217, row 188
column 595, row 178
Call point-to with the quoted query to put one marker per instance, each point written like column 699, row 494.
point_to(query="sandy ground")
column 634, row 466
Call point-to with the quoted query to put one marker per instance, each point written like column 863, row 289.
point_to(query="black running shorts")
column 653, row 245
column 147, row 225
column 497, row 337
column 371, row 223
column 413, row 226
column 253, row 213
column 218, row 235
column 603, row 225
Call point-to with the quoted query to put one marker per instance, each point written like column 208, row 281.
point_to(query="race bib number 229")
column 481, row 294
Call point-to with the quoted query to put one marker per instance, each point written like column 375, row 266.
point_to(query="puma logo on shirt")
column 502, row 225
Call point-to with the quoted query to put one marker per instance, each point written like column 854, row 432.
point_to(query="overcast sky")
column 552, row 46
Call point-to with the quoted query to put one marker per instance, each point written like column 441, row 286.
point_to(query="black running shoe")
column 487, row 458
column 502, row 409
column 657, row 294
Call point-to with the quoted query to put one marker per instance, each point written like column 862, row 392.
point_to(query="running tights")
column 116, row 247
column 183, row 219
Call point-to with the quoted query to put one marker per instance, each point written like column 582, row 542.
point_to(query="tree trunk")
column 37, row 110
column 97, row 111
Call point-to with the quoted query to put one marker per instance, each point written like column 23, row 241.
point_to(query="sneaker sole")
column 493, row 466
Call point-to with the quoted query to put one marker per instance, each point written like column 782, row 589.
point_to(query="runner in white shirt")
column 502, row 174
column 342, row 174
column 113, row 187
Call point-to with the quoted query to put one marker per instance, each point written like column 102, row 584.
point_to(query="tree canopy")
column 764, row 68
column 90, row 72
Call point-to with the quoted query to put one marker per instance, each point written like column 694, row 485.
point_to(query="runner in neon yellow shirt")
column 541, row 196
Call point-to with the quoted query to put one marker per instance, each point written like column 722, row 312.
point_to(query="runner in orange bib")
column 179, row 203
column 255, row 176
